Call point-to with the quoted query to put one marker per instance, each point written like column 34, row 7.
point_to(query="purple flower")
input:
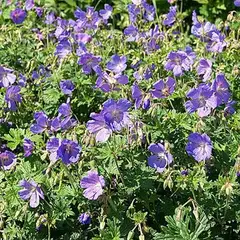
column 133, row 10
column 144, row 73
column 220, row 87
column 184, row 172
column 117, row 64
column 160, row 159
column 140, row 98
column 63, row 48
column 152, row 38
column 108, row 82
column 69, row 151
column 65, row 109
column 42, row 123
column 106, row 12
column 216, row 41
column 93, row 185
column 115, row 113
column 201, row 30
column 88, row 61
column 164, row 89
column 84, row 218
column 190, row 54
column 13, row 97
column 29, row 4
column 67, row 123
column 18, row 15
column 132, row 33
column 28, row 147
column 8, row 2
column 171, row 16
column 50, row 18
column 202, row 100
column 7, row 160
column 22, row 80
column 237, row 3
column 229, row 109
column 41, row 72
column 204, row 69
column 199, row 146
column 39, row 11
column 149, row 12
column 82, row 38
column 178, row 62
column 99, row 127
column 89, row 19
column 52, row 147
column 67, row 87
column 6, row 77
column 31, row 191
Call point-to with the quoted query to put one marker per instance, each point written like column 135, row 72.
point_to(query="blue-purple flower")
column 132, row 33
column 140, row 98
column 220, row 87
column 204, row 69
column 117, row 64
column 7, row 78
column 116, row 113
column 99, row 127
column 88, row 61
column 89, row 19
column 63, row 48
column 82, row 38
column 229, row 109
column 199, row 146
column 28, row 147
column 207, row 32
column 216, row 41
column 202, row 100
column 7, row 160
column 42, row 123
column 178, row 62
column 67, row 87
column 29, row 4
column 160, row 159
column 201, row 30
column 39, row 11
column 69, row 151
column 52, row 146
column 134, row 11
column 106, row 12
column 109, row 81
column 171, row 16
column 18, row 15
column 163, row 89
column 149, row 11
column 84, row 218
column 184, row 172
column 93, row 185
column 50, row 18
column 32, row 191
column 13, row 97
column 237, row 3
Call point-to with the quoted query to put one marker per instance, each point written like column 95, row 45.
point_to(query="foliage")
column 186, row 199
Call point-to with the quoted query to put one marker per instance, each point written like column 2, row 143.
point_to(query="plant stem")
column 116, row 162
column 70, row 177
column 49, row 232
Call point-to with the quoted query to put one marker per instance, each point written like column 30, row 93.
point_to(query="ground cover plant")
column 116, row 132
